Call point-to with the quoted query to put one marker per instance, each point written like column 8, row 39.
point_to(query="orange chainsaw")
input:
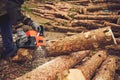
column 35, row 39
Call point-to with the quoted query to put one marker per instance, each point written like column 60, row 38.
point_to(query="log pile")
column 93, row 35
column 91, row 27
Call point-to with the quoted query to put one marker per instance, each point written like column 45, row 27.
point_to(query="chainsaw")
column 35, row 39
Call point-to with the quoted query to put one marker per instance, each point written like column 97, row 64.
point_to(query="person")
column 10, row 14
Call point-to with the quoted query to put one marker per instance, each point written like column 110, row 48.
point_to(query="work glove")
column 22, row 37
column 34, row 25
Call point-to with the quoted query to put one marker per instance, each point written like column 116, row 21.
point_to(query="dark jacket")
column 12, row 8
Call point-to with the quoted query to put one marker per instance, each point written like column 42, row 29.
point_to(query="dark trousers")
column 6, row 32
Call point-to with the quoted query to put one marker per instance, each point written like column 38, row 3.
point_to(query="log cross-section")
column 107, row 70
column 86, row 70
column 49, row 70
column 82, row 41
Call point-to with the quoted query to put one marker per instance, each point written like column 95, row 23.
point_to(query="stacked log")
column 107, row 69
column 87, row 69
column 82, row 41
column 49, row 70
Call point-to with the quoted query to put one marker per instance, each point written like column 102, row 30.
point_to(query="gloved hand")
column 22, row 37
column 36, row 26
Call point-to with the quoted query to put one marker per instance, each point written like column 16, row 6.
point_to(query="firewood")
column 82, row 41
column 87, row 23
column 98, row 17
column 49, row 70
column 107, row 70
column 86, row 70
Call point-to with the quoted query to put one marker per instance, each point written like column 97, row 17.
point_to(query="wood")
column 82, row 41
column 115, row 27
column 113, row 6
column 49, row 70
column 107, row 70
column 87, row 69
column 98, row 17
column 59, row 14
column 87, row 23
column 71, row 29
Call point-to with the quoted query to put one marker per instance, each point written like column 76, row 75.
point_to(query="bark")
column 58, row 14
column 87, row 69
column 94, row 1
column 82, row 41
column 115, row 27
column 113, row 6
column 87, row 23
column 71, row 29
column 49, row 70
column 98, row 17
column 118, row 40
column 107, row 70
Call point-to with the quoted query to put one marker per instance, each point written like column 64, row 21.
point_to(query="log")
column 115, row 27
column 93, row 1
column 107, row 70
column 87, row 23
column 59, row 14
column 49, row 70
column 113, row 6
column 86, row 70
column 82, row 41
column 71, row 29
column 110, row 18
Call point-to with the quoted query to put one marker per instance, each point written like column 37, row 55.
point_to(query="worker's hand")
column 22, row 37
column 35, row 26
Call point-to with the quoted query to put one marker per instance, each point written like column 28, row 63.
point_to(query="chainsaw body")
column 35, row 39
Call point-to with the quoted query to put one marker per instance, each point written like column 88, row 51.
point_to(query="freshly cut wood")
column 49, row 70
column 86, row 70
column 81, row 41
column 98, row 17
column 87, row 23
column 107, row 70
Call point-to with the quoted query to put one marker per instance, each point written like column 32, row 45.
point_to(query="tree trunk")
column 115, row 27
column 71, row 29
column 87, row 69
column 113, row 6
column 82, row 41
column 87, row 23
column 107, row 70
column 49, row 70
column 110, row 18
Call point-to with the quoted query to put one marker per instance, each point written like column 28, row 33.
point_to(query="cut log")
column 86, row 70
column 118, row 40
column 71, row 29
column 49, row 70
column 59, row 14
column 107, row 70
column 115, row 27
column 82, row 41
column 87, row 23
column 110, row 18
column 109, row 6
